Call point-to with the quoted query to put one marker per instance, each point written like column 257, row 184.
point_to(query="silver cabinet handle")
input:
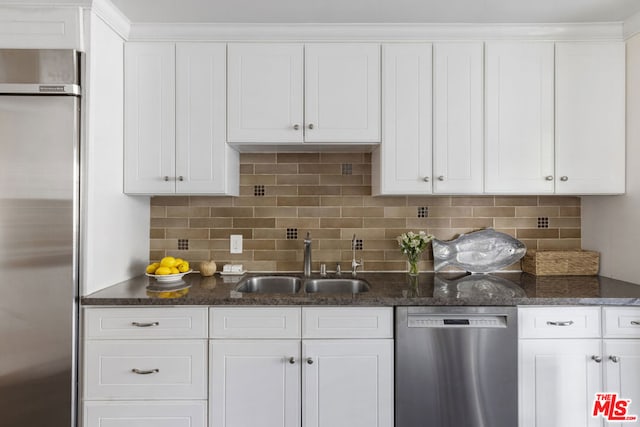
column 425, row 179
column 165, row 178
column 635, row 322
column 597, row 359
column 564, row 178
column 145, row 325
column 296, row 127
column 292, row 360
column 181, row 178
column 441, row 178
column 147, row 372
column 309, row 361
column 614, row 359
column 310, row 126
column 549, row 177
column 563, row 323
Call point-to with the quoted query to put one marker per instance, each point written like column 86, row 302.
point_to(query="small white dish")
column 233, row 273
column 168, row 278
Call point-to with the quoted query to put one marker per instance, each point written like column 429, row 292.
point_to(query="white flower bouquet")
column 413, row 244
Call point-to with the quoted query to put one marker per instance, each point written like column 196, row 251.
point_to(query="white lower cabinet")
column 319, row 381
column 566, row 358
column 144, row 367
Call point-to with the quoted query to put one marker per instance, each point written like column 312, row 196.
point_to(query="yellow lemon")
column 174, row 270
column 151, row 268
column 183, row 267
column 163, row 271
column 178, row 262
column 168, row 261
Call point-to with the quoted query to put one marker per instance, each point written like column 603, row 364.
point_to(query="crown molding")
column 112, row 16
column 373, row 32
column 632, row 26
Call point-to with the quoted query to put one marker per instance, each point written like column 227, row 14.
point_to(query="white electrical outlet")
column 235, row 243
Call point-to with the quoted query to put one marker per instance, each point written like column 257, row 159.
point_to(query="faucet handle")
column 338, row 269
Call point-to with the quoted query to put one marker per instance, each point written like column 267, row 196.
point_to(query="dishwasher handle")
column 485, row 321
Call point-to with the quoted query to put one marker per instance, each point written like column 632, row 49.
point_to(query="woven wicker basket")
column 557, row 263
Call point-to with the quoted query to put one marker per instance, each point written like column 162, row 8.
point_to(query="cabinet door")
column 402, row 164
column 149, row 121
column 347, row 383
column 558, row 381
column 590, row 118
column 622, row 374
column 254, row 383
column 204, row 162
column 342, row 92
column 145, row 414
column 519, row 124
column 457, row 118
column 265, row 91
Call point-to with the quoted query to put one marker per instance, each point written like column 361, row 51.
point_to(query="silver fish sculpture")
column 481, row 251
column 476, row 286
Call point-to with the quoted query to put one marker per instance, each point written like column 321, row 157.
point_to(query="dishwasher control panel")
column 456, row 321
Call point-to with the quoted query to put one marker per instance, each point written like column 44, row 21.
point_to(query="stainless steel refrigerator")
column 39, row 179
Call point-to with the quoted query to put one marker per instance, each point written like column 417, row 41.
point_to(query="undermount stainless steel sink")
column 336, row 286
column 270, row 285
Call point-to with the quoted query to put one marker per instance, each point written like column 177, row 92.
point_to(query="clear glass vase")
column 413, row 266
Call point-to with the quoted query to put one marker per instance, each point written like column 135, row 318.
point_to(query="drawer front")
column 559, row 322
column 347, row 322
column 122, row 370
column 145, row 322
column 621, row 322
column 145, row 414
column 255, row 322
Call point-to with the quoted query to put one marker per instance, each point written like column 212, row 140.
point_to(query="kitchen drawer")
column 145, row 322
column 255, row 322
column 347, row 322
column 559, row 322
column 621, row 322
column 145, row 414
column 164, row 369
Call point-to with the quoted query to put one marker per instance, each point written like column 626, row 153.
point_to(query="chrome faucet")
column 307, row 255
column 354, row 264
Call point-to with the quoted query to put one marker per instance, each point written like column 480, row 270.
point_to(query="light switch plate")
column 235, row 243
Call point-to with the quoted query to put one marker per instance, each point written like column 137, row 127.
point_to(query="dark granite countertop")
column 387, row 289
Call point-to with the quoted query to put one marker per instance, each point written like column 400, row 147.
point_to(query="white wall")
column 115, row 227
column 611, row 225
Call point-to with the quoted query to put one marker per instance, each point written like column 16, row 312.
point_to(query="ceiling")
column 377, row 11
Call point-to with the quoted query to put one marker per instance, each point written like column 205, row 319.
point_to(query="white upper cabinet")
column 590, row 118
column 342, row 92
column 457, row 118
column 295, row 93
column 149, row 95
column 265, row 93
column 402, row 163
column 175, row 105
column 519, row 117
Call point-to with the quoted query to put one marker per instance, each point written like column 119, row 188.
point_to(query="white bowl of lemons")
column 168, row 270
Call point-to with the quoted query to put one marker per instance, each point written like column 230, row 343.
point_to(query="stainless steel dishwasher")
column 456, row 367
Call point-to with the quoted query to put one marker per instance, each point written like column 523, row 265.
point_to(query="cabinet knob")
column 425, row 179
column 310, row 126
column 441, row 178
column 292, row 360
column 309, row 361
column 635, row 322
column 296, row 127
column 614, row 359
column 597, row 359
column 165, row 178
column 549, row 177
column 564, row 178
column 180, row 178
